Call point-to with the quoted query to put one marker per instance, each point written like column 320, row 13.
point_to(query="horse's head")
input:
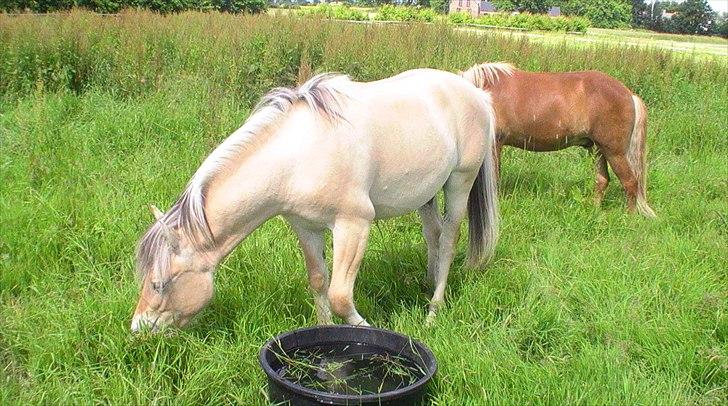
column 177, row 281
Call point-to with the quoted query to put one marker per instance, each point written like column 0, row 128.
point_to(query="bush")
column 389, row 12
column 601, row 13
column 577, row 24
column 460, row 17
column 525, row 21
column 334, row 12
column 427, row 15
column 440, row 6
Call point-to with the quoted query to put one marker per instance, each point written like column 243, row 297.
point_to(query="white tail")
column 636, row 156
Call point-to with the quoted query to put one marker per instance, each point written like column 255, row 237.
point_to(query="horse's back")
column 445, row 103
column 398, row 142
column 448, row 92
column 549, row 111
column 423, row 125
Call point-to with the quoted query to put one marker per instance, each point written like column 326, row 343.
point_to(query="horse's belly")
column 542, row 141
column 549, row 128
column 409, row 191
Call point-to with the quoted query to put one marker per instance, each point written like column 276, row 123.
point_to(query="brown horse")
column 552, row 111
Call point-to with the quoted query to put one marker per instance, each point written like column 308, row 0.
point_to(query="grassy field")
column 700, row 47
column 101, row 116
column 697, row 46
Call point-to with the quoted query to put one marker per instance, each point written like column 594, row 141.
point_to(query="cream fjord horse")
column 543, row 111
column 333, row 154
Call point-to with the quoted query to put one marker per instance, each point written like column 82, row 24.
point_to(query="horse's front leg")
column 350, row 240
column 431, row 229
column 312, row 244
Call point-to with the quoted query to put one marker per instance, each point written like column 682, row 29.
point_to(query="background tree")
column 102, row 6
column 529, row 6
column 694, row 17
column 602, row 13
column 41, row 6
column 441, row 6
column 112, row 6
column 640, row 13
column 721, row 25
column 654, row 19
column 505, row 5
column 534, row 6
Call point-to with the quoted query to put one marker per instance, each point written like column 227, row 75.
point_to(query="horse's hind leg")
column 431, row 229
column 350, row 241
column 498, row 154
column 457, row 189
column 626, row 176
column 312, row 244
column 602, row 177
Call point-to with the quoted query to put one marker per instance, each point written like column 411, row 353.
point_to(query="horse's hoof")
column 430, row 320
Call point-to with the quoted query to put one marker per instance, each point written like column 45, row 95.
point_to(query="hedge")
column 335, row 12
column 525, row 21
column 389, row 12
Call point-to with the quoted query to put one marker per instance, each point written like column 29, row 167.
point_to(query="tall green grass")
column 100, row 116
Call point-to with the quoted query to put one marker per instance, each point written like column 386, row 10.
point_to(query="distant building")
column 476, row 8
column 554, row 11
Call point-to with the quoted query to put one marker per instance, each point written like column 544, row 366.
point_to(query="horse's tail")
column 483, row 201
column 636, row 156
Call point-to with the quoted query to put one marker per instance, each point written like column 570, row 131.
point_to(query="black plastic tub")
column 284, row 391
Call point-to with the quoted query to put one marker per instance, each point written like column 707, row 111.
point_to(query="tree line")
column 113, row 6
column 687, row 17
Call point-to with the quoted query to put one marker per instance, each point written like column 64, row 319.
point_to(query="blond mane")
column 322, row 94
column 487, row 74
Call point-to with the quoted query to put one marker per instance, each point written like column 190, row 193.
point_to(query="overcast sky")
column 720, row 6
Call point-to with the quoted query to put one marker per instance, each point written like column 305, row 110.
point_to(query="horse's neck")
column 238, row 203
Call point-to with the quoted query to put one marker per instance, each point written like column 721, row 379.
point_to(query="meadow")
column 694, row 46
column 100, row 116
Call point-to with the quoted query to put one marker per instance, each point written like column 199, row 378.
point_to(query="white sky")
column 720, row 6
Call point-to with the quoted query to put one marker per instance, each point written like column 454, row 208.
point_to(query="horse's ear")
column 156, row 212
column 169, row 234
